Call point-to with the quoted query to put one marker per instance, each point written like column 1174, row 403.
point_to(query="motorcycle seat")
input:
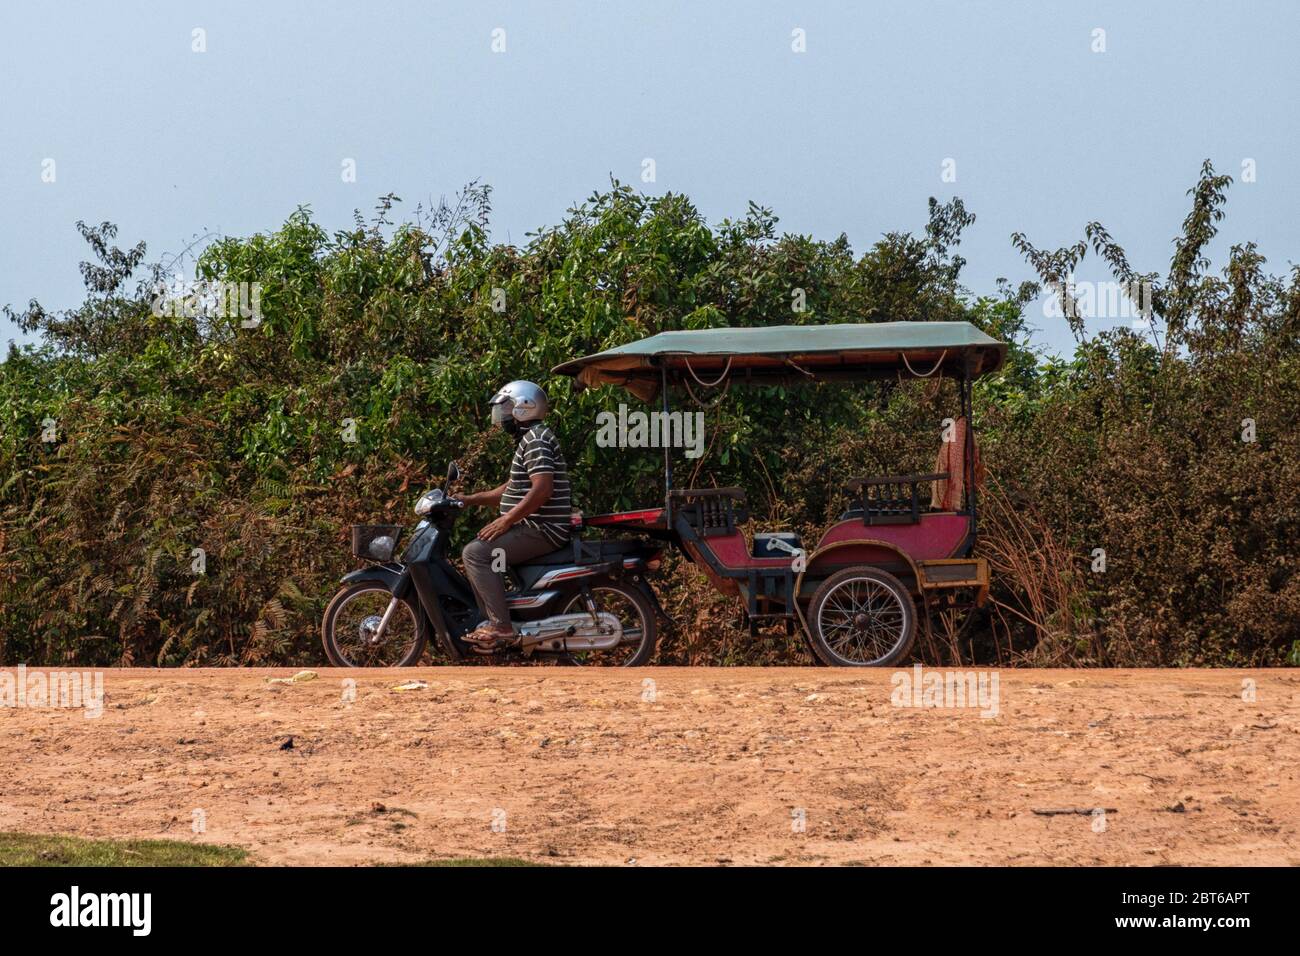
column 566, row 554
column 563, row 555
column 578, row 552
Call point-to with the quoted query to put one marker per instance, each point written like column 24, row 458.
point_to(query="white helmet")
column 522, row 401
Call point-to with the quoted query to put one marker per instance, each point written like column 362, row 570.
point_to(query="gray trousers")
column 516, row 546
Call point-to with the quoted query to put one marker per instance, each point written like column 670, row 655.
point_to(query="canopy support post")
column 668, row 461
column 967, row 409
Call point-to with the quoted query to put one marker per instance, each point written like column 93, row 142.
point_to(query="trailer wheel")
column 861, row 617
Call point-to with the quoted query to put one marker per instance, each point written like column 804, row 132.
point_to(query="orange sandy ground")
column 715, row 766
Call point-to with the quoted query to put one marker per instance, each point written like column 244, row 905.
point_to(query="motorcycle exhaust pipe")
column 571, row 632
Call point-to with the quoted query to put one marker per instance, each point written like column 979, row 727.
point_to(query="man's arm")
column 542, row 484
column 485, row 499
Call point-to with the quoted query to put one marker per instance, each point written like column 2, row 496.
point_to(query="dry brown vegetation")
column 173, row 434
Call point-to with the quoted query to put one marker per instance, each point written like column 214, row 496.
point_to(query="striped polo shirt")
column 538, row 452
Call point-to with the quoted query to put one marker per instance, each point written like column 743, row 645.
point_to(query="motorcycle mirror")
column 452, row 472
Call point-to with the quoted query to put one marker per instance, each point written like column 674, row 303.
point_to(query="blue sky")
column 850, row 136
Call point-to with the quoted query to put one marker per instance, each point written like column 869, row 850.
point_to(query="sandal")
column 488, row 634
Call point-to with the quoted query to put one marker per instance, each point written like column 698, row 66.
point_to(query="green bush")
column 177, row 433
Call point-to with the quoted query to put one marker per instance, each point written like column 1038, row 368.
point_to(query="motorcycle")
column 586, row 603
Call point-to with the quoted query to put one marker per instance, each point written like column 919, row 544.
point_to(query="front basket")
column 375, row 542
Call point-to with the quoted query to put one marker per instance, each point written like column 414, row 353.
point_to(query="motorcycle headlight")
column 427, row 501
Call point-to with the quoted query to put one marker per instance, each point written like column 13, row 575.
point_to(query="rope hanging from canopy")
column 703, row 384
column 915, row 373
column 717, row 381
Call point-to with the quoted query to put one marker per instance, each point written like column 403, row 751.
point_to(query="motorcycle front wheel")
column 351, row 623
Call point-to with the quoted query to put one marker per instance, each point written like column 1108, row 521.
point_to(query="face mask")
column 511, row 427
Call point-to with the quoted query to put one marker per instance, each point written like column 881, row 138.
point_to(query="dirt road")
column 671, row 766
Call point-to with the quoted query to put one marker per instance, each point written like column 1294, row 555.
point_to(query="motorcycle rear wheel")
column 635, row 613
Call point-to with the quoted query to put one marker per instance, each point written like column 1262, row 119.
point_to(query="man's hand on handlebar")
column 484, row 499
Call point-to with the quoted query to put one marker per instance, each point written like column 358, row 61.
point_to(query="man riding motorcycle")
column 534, row 505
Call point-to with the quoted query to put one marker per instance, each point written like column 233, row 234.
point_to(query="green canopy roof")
column 776, row 353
